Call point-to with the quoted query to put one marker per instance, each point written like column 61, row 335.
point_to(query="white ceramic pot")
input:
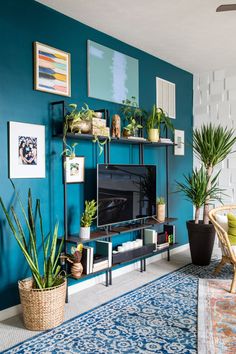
column 84, row 233
column 153, row 135
column 161, row 212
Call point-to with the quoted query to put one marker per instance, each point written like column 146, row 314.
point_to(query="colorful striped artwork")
column 52, row 70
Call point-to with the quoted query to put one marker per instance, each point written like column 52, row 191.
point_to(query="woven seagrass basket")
column 42, row 309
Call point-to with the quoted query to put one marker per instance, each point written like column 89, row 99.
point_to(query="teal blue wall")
column 22, row 23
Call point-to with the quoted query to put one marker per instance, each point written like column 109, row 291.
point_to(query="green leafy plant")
column 158, row 117
column 49, row 276
column 196, row 189
column 161, row 201
column 133, row 115
column 89, row 213
column 212, row 144
column 74, row 117
column 69, row 151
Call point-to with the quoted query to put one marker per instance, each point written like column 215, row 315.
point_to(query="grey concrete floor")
column 12, row 330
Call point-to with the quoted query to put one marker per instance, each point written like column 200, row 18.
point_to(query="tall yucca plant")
column 212, row 144
column 51, row 269
column 196, row 189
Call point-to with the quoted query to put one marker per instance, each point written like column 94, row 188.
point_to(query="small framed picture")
column 74, row 169
column 179, row 141
column 51, row 70
column 26, row 150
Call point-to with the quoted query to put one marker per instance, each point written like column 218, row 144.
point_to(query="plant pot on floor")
column 84, row 232
column 201, row 242
column 42, row 309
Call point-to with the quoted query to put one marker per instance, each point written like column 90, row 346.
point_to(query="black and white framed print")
column 26, row 150
column 74, row 169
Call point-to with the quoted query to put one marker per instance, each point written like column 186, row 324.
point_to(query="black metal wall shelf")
column 108, row 234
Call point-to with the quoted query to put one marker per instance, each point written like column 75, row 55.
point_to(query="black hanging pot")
column 201, row 242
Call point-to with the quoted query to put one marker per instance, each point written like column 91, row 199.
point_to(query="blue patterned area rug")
column 159, row 317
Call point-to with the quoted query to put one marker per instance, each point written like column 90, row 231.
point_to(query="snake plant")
column 26, row 235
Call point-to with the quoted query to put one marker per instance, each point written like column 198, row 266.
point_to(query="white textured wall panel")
column 215, row 102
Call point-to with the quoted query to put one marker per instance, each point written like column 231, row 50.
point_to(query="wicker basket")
column 42, row 309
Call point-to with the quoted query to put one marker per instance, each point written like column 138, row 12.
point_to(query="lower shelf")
column 125, row 260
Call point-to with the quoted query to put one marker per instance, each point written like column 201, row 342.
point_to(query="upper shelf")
column 114, row 140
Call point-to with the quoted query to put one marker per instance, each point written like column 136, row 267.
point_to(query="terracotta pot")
column 153, row 135
column 76, row 270
column 161, row 212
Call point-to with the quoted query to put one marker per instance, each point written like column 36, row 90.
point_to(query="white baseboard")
column 16, row 310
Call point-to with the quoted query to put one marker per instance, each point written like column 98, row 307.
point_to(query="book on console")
column 104, row 249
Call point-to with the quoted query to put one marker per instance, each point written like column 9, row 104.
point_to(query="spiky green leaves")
column 212, row 144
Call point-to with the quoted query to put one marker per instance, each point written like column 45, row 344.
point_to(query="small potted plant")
column 79, row 121
column 87, row 218
column 133, row 115
column 154, row 121
column 161, row 209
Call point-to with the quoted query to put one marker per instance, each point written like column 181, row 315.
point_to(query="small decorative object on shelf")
column 116, row 126
column 87, row 219
column 79, row 121
column 75, row 259
column 161, row 209
column 154, row 121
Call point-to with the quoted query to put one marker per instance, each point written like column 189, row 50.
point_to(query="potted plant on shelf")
column 211, row 144
column 87, row 218
column 43, row 295
column 79, row 121
column 133, row 115
column 161, row 209
column 154, row 121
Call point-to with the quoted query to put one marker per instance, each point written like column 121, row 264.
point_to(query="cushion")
column 232, row 229
column 222, row 220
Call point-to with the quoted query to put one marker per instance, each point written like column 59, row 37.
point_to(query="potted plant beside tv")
column 211, row 144
column 87, row 218
column 43, row 295
column 154, row 121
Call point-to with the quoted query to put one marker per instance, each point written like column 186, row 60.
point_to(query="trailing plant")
column 69, row 151
column 89, row 213
column 75, row 116
column 161, row 201
column 158, row 117
column 100, row 143
column 212, row 144
column 196, row 189
column 49, row 276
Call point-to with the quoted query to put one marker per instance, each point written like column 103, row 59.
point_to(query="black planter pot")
column 201, row 242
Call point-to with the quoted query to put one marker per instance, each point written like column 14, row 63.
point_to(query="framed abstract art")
column 26, row 150
column 51, row 70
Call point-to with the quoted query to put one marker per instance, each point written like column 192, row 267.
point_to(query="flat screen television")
column 125, row 193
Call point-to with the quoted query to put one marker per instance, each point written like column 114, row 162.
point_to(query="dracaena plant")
column 26, row 233
column 196, row 189
column 212, row 144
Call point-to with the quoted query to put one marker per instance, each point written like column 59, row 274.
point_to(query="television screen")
column 125, row 193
